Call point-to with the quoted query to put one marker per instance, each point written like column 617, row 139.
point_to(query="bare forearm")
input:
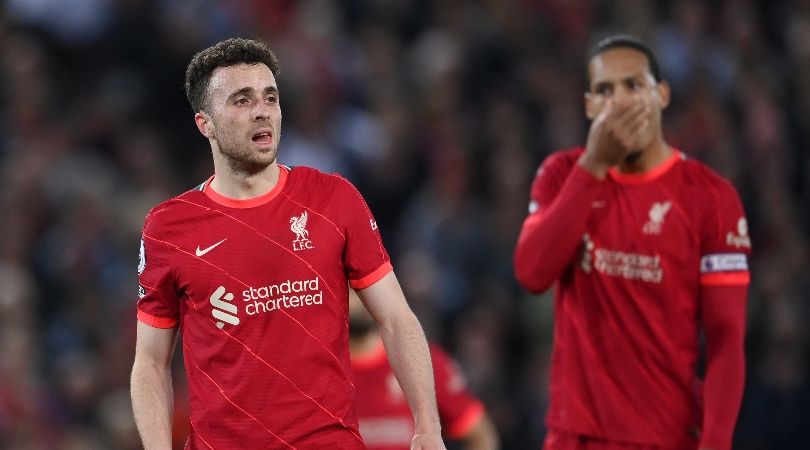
column 408, row 355
column 153, row 403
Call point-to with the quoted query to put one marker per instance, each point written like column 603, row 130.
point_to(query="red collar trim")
column 249, row 202
column 652, row 174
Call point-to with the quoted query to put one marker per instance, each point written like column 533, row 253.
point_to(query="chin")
column 264, row 157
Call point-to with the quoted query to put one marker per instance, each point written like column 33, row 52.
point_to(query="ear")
column 590, row 107
column 663, row 93
column 204, row 124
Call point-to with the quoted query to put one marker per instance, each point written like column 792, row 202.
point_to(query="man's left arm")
column 724, row 324
column 407, row 351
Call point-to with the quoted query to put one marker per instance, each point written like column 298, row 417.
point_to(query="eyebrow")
column 248, row 90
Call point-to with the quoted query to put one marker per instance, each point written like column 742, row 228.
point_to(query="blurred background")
column 440, row 112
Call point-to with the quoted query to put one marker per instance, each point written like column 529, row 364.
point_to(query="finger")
column 628, row 113
column 630, row 119
column 638, row 119
column 636, row 132
column 606, row 111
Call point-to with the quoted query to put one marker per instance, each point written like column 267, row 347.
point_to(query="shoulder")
column 563, row 159
column 701, row 176
column 313, row 178
column 173, row 208
column 555, row 167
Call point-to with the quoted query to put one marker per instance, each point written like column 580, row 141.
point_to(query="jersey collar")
column 248, row 202
column 652, row 174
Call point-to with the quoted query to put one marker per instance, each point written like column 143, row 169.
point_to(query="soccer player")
column 648, row 249
column 385, row 420
column 252, row 267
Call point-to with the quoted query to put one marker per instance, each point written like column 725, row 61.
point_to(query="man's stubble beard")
column 245, row 162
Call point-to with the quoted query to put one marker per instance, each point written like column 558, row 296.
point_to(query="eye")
column 634, row 85
column 272, row 99
column 241, row 101
column 604, row 89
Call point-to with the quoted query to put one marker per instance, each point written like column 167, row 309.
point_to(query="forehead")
column 226, row 80
column 618, row 63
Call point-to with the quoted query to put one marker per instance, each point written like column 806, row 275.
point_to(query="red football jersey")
column 259, row 290
column 386, row 422
column 627, row 307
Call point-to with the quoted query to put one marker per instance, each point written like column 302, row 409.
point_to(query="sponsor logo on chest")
column 287, row 295
column 613, row 263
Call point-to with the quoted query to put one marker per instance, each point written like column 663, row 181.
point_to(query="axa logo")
column 223, row 310
column 741, row 238
column 298, row 225
column 657, row 213
column 141, row 268
column 141, row 259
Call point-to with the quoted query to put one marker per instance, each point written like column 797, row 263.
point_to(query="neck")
column 239, row 183
column 648, row 158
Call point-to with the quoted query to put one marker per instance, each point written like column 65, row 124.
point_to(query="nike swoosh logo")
column 202, row 252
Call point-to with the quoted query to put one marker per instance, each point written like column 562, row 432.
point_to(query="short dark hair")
column 626, row 41
column 229, row 52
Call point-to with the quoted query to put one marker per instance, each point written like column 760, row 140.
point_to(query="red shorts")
column 562, row 440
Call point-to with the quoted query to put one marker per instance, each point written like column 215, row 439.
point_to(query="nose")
column 623, row 96
column 261, row 111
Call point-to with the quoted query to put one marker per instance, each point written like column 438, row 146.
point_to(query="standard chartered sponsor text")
column 285, row 295
column 629, row 265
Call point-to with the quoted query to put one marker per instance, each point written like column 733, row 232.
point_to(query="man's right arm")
column 563, row 199
column 557, row 220
column 151, row 385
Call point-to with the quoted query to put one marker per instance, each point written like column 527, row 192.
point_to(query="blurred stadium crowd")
column 439, row 111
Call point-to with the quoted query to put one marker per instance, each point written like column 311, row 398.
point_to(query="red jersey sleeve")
column 158, row 302
column 725, row 241
column 549, row 180
column 562, row 196
column 458, row 409
column 365, row 258
column 724, row 278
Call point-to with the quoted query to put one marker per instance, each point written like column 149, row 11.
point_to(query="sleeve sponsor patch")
column 741, row 239
column 141, row 259
column 723, row 262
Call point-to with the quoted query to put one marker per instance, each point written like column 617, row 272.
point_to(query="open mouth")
column 263, row 137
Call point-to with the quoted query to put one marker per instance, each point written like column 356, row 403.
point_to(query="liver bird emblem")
column 298, row 226
column 658, row 211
